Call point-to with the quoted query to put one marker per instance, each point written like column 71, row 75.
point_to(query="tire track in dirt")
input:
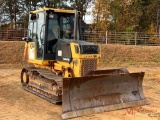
column 17, row 104
column 9, row 109
column 10, row 113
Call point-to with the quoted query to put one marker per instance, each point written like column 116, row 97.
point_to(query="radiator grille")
column 87, row 66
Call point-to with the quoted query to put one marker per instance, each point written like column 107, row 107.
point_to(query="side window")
column 67, row 26
column 52, row 34
column 40, row 35
column 40, row 29
column 34, row 34
column 33, row 31
column 30, row 27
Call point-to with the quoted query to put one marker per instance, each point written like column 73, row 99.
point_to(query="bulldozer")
column 65, row 70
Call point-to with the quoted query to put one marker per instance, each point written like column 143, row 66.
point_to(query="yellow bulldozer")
column 65, row 68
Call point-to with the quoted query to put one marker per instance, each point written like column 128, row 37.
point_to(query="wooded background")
column 108, row 15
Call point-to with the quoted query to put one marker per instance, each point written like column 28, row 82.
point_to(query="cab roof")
column 55, row 10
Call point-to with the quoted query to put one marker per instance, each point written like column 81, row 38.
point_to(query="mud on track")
column 17, row 104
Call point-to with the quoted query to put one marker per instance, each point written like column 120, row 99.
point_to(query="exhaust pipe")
column 75, row 25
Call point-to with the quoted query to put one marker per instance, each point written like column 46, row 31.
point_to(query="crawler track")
column 42, row 83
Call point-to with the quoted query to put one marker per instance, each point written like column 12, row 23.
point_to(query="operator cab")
column 50, row 27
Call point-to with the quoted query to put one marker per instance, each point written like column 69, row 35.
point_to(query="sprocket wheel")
column 24, row 78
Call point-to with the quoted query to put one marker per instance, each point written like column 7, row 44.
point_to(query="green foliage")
column 101, row 14
column 145, row 2
column 153, row 38
column 136, row 15
column 13, row 11
column 125, row 15
column 80, row 5
column 114, row 15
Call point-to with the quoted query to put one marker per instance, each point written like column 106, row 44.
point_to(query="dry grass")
column 11, row 55
column 121, row 55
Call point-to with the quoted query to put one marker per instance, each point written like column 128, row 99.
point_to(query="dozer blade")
column 100, row 93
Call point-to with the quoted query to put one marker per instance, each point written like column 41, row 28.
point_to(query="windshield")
column 61, row 25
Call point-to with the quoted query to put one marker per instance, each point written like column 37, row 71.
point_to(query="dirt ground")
column 18, row 104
